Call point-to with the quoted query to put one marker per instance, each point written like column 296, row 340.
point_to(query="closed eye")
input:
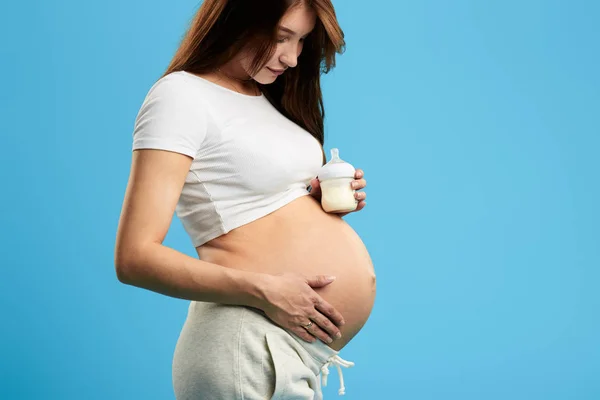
column 285, row 39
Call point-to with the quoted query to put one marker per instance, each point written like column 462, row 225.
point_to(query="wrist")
column 253, row 287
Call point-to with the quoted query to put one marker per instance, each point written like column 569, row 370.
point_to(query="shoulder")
column 176, row 95
column 175, row 85
column 172, row 116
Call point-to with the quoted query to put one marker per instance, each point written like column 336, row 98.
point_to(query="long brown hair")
column 222, row 28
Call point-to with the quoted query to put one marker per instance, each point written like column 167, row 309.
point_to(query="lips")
column 276, row 71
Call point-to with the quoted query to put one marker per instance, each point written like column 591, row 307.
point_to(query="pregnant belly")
column 300, row 237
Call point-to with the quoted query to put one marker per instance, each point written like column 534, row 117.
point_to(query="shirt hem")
column 163, row 145
column 260, row 213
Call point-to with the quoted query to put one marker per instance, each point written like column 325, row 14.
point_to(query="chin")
column 265, row 77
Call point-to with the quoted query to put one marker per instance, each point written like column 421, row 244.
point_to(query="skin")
column 301, row 21
column 156, row 179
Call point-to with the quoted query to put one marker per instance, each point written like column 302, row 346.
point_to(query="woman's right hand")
column 291, row 302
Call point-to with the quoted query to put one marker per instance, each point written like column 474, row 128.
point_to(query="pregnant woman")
column 231, row 139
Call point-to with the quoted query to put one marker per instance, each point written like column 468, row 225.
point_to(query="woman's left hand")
column 358, row 183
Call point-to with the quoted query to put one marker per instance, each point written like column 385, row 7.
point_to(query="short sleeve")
column 172, row 117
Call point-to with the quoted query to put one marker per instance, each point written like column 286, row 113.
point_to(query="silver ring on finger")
column 308, row 325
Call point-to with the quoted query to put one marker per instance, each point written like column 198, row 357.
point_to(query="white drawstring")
column 337, row 361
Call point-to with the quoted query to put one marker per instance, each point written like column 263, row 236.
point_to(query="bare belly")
column 300, row 237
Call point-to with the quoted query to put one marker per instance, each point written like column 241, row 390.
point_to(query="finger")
column 359, row 184
column 330, row 312
column 360, row 196
column 316, row 186
column 316, row 331
column 360, row 206
column 359, row 173
column 325, row 325
column 319, row 280
column 303, row 333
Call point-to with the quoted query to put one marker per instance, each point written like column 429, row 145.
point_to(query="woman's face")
column 295, row 25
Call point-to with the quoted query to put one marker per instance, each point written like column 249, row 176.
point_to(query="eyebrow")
column 288, row 30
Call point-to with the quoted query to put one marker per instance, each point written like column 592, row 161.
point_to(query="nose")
column 289, row 57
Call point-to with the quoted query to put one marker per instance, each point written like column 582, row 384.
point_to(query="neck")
column 237, row 77
column 234, row 70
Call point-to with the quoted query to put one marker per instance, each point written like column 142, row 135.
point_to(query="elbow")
column 132, row 260
column 123, row 275
column 125, row 264
column 123, row 271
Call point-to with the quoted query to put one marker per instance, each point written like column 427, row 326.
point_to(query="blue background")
column 477, row 124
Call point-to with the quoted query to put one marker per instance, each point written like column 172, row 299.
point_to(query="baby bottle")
column 335, row 178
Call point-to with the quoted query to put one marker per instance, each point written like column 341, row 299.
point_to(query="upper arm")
column 169, row 130
column 154, row 186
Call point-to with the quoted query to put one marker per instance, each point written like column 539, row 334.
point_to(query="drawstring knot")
column 338, row 362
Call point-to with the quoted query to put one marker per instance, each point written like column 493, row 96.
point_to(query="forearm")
column 166, row 271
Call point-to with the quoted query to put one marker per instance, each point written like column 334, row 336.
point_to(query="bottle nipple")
column 335, row 156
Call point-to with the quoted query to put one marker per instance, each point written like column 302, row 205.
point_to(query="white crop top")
column 248, row 159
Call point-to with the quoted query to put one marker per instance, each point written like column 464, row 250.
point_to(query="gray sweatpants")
column 237, row 353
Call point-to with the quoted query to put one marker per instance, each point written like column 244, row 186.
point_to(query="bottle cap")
column 336, row 168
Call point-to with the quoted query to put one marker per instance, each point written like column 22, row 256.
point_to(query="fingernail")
column 331, row 278
column 343, row 322
column 338, row 335
column 329, row 340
